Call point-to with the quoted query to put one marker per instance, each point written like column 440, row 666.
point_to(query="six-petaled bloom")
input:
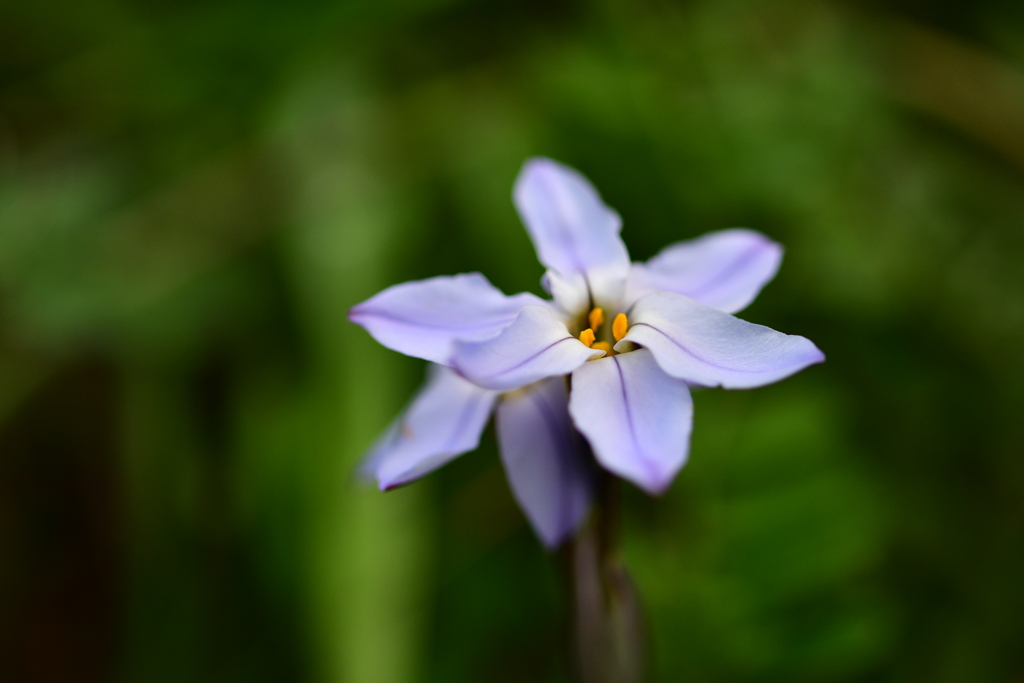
column 612, row 357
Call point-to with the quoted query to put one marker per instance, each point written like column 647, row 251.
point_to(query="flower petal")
column 535, row 346
column 705, row 346
column 572, row 229
column 550, row 475
column 423, row 318
column 443, row 421
column 636, row 418
column 571, row 294
column 724, row 270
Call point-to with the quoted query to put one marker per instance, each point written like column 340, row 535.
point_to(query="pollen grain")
column 596, row 318
column 587, row 337
column 619, row 326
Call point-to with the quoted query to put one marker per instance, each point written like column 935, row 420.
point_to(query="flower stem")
column 609, row 638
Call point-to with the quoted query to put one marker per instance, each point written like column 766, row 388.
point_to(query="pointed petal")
column 724, row 270
column 423, row 318
column 636, row 418
column 535, row 346
column 443, row 421
column 705, row 346
column 550, row 475
column 572, row 229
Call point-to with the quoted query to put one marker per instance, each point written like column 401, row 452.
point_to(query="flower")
column 632, row 337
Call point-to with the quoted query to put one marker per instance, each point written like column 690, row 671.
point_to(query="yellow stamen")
column 604, row 346
column 587, row 337
column 619, row 326
column 596, row 318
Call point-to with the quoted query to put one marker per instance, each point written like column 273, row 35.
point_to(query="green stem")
column 609, row 639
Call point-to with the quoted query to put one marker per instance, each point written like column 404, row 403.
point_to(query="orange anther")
column 596, row 318
column 619, row 326
column 604, row 346
column 587, row 337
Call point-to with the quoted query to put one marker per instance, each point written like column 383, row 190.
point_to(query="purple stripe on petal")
column 636, row 418
column 710, row 348
column 535, row 346
column 424, row 318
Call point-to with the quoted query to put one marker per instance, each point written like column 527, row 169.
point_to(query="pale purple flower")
column 510, row 355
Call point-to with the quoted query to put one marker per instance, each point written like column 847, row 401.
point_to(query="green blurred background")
column 193, row 193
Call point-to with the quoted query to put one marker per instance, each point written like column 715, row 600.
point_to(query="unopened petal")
column 425, row 317
column 444, row 420
column 707, row 347
column 636, row 418
column 571, row 228
column 535, row 346
column 549, row 473
column 724, row 269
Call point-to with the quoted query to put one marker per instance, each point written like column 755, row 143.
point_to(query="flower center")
column 589, row 336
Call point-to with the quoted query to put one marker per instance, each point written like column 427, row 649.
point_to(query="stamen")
column 604, row 346
column 587, row 337
column 619, row 326
column 596, row 318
